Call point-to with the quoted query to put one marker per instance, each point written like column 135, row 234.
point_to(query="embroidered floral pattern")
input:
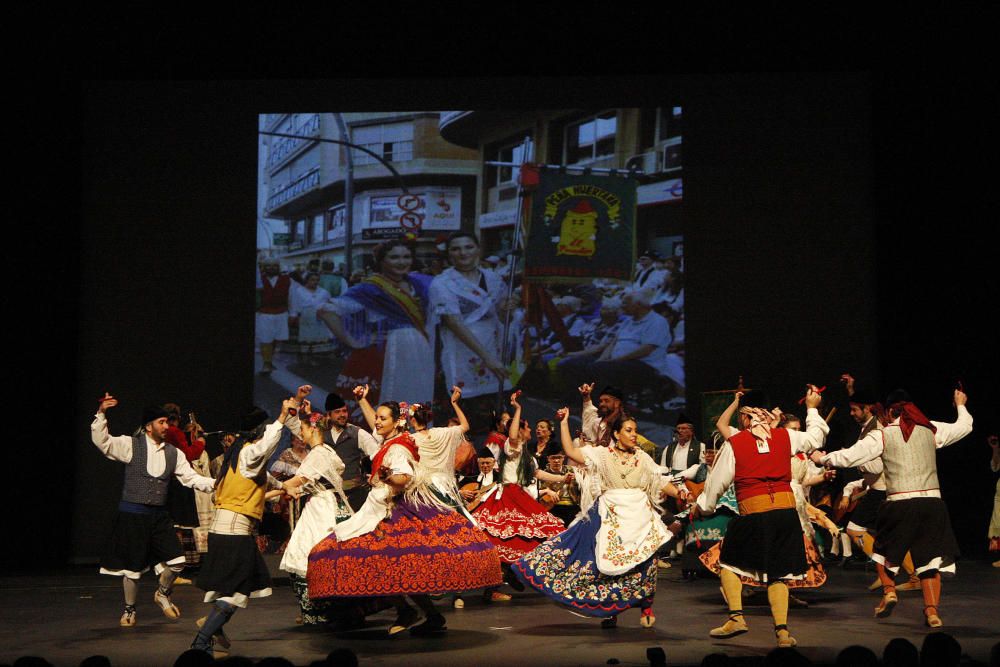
column 581, row 585
column 617, row 553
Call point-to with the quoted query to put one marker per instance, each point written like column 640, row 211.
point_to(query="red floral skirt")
column 515, row 522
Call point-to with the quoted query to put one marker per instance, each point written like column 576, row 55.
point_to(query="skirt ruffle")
column 415, row 550
column 564, row 569
column 515, row 522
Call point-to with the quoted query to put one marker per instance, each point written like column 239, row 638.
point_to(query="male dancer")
column 143, row 532
column 914, row 518
column 765, row 541
column 352, row 445
column 234, row 570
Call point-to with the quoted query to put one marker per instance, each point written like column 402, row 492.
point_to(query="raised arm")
column 949, row 433
column 116, row 448
column 572, row 451
column 813, row 437
column 590, row 416
column 361, row 394
column 722, row 424
column 515, row 421
column 456, row 395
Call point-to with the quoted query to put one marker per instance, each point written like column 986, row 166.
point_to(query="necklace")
column 630, row 462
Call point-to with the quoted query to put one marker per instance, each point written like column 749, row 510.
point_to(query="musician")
column 564, row 496
column 765, row 541
column 472, row 489
column 143, row 533
column 682, row 460
column 914, row 517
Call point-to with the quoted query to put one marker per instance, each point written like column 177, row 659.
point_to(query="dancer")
column 143, row 533
column 318, row 480
column 353, row 445
column 437, row 447
column 604, row 563
column 234, row 570
column 765, row 541
column 405, row 541
column 513, row 519
column 914, row 518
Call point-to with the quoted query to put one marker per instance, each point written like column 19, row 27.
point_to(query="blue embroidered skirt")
column 565, row 569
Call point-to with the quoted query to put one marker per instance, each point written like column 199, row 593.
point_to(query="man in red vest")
column 764, row 543
column 272, row 313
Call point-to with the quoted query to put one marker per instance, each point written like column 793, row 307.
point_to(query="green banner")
column 582, row 227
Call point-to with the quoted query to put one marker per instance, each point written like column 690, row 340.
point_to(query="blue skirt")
column 565, row 569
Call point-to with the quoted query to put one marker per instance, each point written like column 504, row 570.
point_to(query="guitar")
column 481, row 492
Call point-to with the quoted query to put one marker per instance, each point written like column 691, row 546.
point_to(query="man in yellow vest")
column 234, row 571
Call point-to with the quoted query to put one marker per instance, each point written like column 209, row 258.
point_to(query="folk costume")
column 513, row 519
column 398, row 358
column 476, row 304
column 234, row 570
column 325, row 505
column 409, row 543
column 765, row 542
column 604, row 562
column 143, row 532
column 993, row 535
column 914, row 518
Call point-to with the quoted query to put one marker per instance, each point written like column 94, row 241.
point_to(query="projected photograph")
column 497, row 251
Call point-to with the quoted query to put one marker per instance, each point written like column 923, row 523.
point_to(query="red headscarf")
column 403, row 439
column 909, row 416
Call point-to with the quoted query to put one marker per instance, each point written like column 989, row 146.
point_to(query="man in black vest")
column 143, row 533
column 683, row 459
column 353, row 446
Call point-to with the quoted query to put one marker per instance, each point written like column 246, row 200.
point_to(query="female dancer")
column 604, row 563
column 404, row 541
column 388, row 329
column 510, row 514
column 318, row 478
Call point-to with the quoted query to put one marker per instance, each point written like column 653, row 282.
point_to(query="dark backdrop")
column 830, row 227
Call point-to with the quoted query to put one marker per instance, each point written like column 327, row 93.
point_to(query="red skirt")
column 515, row 522
column 814, row 578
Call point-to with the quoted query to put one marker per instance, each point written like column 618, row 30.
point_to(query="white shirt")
column 119, row 448
column 367, row 443
column 724, row 469
column 679, row 461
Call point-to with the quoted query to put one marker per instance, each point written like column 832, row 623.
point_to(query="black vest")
column 141, row 487
column 694, row 454
column 348, row 450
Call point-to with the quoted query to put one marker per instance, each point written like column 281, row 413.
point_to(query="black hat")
column 333, row 402
column 862, row 396
column 485, row 453
column 552, row 449
column 756, row 399
column 682, row 419
column 611, row 390
column 898, row 396
column 252, row 419
column 652, row 254
column 153, row 412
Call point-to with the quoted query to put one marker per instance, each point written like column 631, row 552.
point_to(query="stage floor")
column 67, row 616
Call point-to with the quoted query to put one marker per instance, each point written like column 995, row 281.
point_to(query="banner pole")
column 516, row 246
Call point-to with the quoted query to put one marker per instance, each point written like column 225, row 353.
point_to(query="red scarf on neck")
column 909, row 416
column 403, row 439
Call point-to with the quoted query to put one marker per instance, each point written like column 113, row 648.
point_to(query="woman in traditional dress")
column 383, row 318
column 317, row 484
column 511, row 514
column 304, row 302
column 994, row 532
column 404, row 541
column 467, row 299
column 604, row 563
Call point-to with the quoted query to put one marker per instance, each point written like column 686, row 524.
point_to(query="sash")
column 406, row 303
column 459, row 286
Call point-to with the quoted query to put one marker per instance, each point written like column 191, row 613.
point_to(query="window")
column 297, row 229
column 394, row 142
column 316, row 229
column 591, row 139
column 669, row 123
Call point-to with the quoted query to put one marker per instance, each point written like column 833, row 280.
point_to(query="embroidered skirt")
column 515, row 522
column 414, row 550
column 564, row 569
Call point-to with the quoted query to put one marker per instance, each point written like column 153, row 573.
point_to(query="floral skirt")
column 417, row 549
column 564, row 569
column 515, row 522
column 814, row 578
